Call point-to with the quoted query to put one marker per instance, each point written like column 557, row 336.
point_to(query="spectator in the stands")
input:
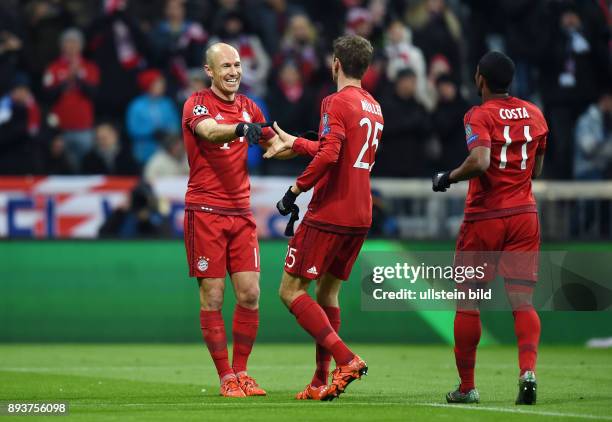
column 55, row 158
column 22, row 94
column 139, row 218
column 149, row 113
column 109, row 156
column 178, row 44
column 290, row 105
column 71, row 83
column 169, row 160
column 575, row 64
column 360, row 21
column 448, row 122
column 437, row 31
column 289, row 101
column 408, row 131
column 593, row 145
column 196, row 81
column 299, row 44
column 254, row 60
column 11, row 47
column 120, row 48
column 16, row 143
column 524, row 22
column 401, row 54
column 45, row 20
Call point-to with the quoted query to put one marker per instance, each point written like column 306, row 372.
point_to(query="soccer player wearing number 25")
column 506, row 137
column 339, row 215
column 220, row 232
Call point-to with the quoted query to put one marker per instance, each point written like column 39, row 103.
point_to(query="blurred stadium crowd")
column 97, row 87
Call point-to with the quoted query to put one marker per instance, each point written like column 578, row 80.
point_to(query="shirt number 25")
column 370, row 140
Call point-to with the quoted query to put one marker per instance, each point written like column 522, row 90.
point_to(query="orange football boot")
column 343, row 375
column 249, row 386
column 230, row 388
column 312, row 393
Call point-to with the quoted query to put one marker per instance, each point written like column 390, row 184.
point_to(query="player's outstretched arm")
column 212, row 131
column 300, row 145
column 474, row 165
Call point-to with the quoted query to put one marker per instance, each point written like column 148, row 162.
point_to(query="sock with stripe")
column 312, row 318
column 527, row 330
column 467, row 336
column 213, row 331
column 323, row 355
column 244, row 332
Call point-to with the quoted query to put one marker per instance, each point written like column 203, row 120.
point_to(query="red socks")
column 244, row 331
column 323, row 355
column 467, row 336
column 213, row 330
column 527, row 330
column 313, row 319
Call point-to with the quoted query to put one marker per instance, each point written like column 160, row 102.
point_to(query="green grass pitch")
column 153, row 382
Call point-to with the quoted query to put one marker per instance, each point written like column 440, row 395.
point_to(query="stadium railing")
column 569, row 210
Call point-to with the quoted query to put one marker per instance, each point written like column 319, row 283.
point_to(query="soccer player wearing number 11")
column 339, row 215
column 506, row 137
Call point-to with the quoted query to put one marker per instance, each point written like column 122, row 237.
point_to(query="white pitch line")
column 519, row 411
column 250, row 403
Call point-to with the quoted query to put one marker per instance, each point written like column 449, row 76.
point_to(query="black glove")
column 440, row 181
column 287, row 206
column 251, row 131
column 284, row 206
column 311, row 135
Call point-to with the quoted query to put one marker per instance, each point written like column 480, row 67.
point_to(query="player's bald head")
column 218, row 51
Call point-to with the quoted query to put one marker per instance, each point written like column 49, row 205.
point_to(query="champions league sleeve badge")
column 200, row 110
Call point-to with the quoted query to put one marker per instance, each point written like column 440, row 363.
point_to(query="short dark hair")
column 354, row 53
column 498, row 71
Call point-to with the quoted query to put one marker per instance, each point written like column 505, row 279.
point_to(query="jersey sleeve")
column 303, row 146
column 477, row 131
column 331, row 134
column 194, row 111
column 332, row 123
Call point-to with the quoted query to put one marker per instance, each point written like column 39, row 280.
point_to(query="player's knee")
column 212, row 302
column 211, row 299
column 286, row 294
column 248, row 297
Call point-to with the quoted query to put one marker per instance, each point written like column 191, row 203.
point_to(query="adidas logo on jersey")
column 312, row 270
column 219, row 117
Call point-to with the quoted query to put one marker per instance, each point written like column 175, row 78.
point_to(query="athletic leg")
column 327, row 290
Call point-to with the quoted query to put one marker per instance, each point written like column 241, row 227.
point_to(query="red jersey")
column 349, row 132
column 516, row 131
column 74, row 109
column 218, row 175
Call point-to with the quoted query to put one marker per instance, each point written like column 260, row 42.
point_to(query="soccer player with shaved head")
column 506, row 140
column 220, row 233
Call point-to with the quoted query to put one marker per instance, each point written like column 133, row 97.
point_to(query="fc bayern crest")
column 202, row 264
column 200, row 110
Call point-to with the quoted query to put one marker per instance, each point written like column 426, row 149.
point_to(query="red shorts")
column 217, row 244
column 508, row 246
column 313, row 252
